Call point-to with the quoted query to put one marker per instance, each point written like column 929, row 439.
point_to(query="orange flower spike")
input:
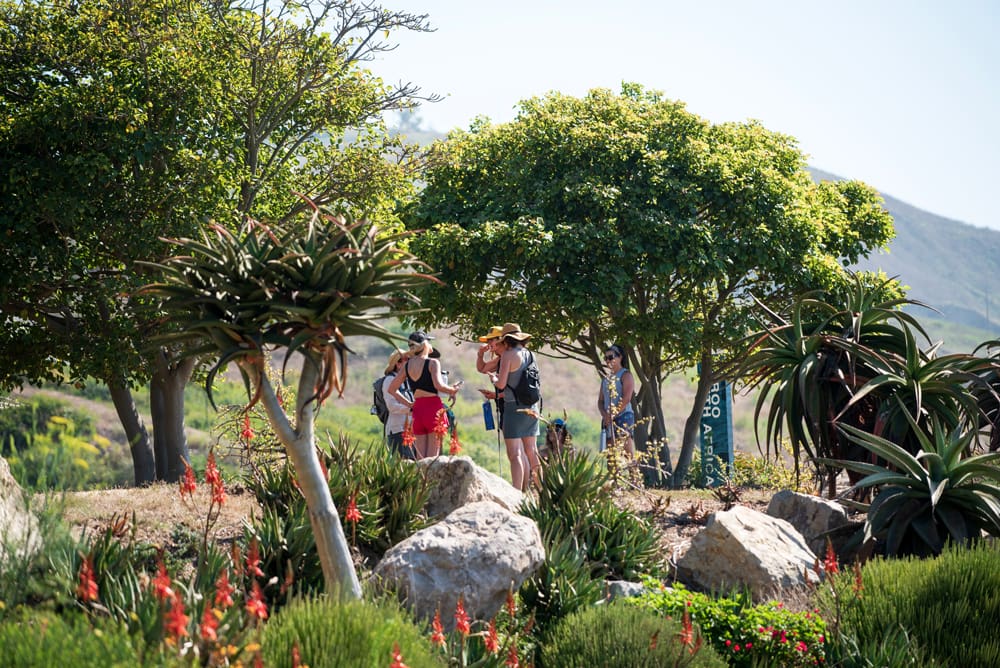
column 188, row 482
column 512, row 661
column 408, row 438
column 87, row 589
column 256, row 605
column 214, row 478
column 253, row 559
column 492, row 641
column 161, row 583
column 247, row 433
column 454, row 447
column 687, row 630
column 296, row 656
column 511, row 605
column 175, row 621
column 437, row 631
column 224, row 591
column 397, row 658
column 209, row 629
column 830, row 564
column 441, row 423
column 858, row 585
column 461, row 618
column 353, row 514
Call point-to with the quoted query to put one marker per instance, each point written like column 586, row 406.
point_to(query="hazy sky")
column 904, row 95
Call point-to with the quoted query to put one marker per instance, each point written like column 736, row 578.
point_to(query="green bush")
column 746, row 634
column 355, row 633
column 618, row 636
column 948, row 605
column 39, row 639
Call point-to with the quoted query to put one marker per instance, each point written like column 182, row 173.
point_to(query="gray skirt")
column 517, row 424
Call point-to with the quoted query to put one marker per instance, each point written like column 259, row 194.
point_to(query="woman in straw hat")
column 520, row 425
column 424, row 374
column 399, row 412
column 487, row 362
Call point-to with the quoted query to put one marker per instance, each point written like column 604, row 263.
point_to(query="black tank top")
column 424, row 381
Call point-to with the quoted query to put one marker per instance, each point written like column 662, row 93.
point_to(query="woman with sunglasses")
column 424, row 374
column 615, row 400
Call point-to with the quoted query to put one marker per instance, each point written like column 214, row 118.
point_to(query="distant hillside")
column 949, row 265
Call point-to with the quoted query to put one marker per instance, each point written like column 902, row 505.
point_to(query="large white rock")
column 479, row 552
column 816, row 518
column 743, row 548
column 18, row 527
column 457, row 481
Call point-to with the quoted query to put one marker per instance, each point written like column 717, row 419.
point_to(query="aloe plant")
column 924, row 500
column 300, row 287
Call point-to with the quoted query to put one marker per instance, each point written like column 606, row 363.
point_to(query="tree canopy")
column 626, row 218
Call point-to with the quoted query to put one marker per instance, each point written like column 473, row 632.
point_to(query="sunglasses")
column 608, row 358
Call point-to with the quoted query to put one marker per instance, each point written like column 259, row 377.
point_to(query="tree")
column 124, row 121
column 626, row 218
column 302, row 289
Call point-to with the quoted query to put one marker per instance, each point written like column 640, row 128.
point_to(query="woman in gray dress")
column 520, row 423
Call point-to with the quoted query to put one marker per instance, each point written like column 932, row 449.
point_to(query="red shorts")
column 425, row 411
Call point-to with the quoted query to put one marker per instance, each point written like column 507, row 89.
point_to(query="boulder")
column 744, row 548
column 816, row 518
column 479, row 552
column 457, row 481
column 18, row 527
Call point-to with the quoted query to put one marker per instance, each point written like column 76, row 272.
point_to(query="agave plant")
column 303, row 288
column 924, row 500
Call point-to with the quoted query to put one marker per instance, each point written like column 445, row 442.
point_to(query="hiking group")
column 407, row 399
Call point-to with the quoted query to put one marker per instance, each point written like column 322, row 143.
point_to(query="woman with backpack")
column 520, row 418
column 397, row 412
column 424, row 375
column 615, row 400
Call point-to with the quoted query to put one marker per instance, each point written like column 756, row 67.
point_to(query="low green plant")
column 620, row 636
column 562, row 584
column 767, row 472
column 747, row 634
column 324, row 633
column 946, row 605
column 37, row 638
column 923, row 501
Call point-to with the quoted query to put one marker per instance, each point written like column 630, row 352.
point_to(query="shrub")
column 947, row 605
column 355, row 633
column 37, row 638
column 616, row 636
column 746, row 634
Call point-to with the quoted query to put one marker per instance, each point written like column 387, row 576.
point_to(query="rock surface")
column 814, row 517
column 18, row 527
column 479, row 552
column 457, row 481
column 744, row 548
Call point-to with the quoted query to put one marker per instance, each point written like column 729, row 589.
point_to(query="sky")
column 904, row 95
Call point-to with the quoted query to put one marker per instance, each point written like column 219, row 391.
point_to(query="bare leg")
column 420, row 444
column 531, row 454
column 433, row 445
column 515, row 454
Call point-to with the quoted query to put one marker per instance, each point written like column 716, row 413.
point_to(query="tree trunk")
column 143, row 460
column 331, row 544
column 692, row 426
column 651, row 437
column 166, row 395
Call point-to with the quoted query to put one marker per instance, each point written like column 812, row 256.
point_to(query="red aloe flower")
column 87, row 589
column 247, row 433
column 224, row 591
column 161, row 583
column 209, row 625
column 397, row 658
column 454, row 447
column 188, row 482
column 511, row 605
column 256, row 605
column 858, row 585
column 461, row 618
column 175, row 621
column 296, row 656
column 830, row 564
column 654, row 640
column 408, row 438
column 353, row 514
column 253, row 560
column 492, row 640
column 437, row 631
column 512, row 661
column 214, row 478
column 441, row 423
column 687, row 630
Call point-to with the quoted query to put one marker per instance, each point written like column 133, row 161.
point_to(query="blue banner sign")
column 717, row 435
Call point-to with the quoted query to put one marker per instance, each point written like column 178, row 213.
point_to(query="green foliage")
column 330, row 634
column 38, row 638
column 56, row 459
column 587, row 537
column 745, row 633
column 620, row 636
column 21, row 420
column 751, row 471
column 923, row 502
column 946, row 605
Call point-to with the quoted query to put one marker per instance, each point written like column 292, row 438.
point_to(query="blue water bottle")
column 488, row 415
